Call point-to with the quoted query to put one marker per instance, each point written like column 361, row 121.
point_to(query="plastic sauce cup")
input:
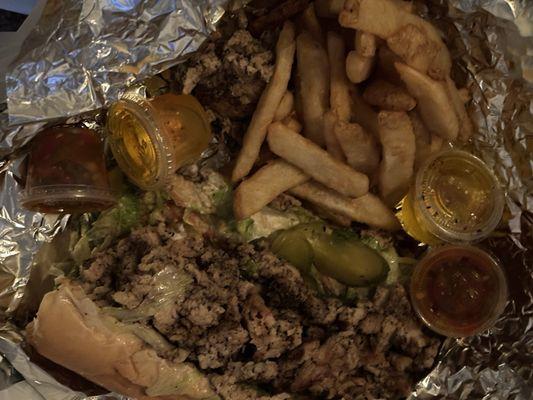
column 67, row 173
column 455, row 199
column 151, row 139
column 458, row 291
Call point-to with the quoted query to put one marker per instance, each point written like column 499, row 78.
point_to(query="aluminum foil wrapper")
column 22, row 233
column 491, row 43
column 82, row 54
column 14, row 138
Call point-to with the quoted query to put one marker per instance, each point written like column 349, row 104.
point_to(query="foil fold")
column 491, row 57
column 22, row 233
column 82, row 54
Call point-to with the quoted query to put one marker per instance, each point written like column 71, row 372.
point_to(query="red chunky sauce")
column 458, row 290
column 66, row 172
column 66, row 156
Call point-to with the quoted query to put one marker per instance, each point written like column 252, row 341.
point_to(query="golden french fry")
column 398, row 142
column 339, row 86
column 365, row 44
column 359, row 62
column 332, row 144
column 359, row 147
column 436, row 144
column 312, row 24
column 434, row 104
column 265, row 185
column 313, row 71
column 358, row 67
column 466, row 128
column 426, row 143
column 315, row 161
column 336, row 218
column 387, row 96
column 292, row 123
column 379, row 17
column 367, row 209
column 331, row 216
column 328, row 8
column 406, row 5
column 268, row 103
column 384, row 18
column 414, row 47
column 422, row 138
column 285, row 107
column 363, row 114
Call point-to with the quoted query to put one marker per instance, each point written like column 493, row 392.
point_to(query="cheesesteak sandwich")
column 168, row 313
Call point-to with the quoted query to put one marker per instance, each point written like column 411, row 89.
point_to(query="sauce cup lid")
column 458, row 290
column 138, row 143
column 448, row 180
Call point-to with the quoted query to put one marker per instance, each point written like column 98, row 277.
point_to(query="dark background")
column 10, row 21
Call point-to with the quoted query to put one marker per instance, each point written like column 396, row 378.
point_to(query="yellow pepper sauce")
column 150, row 139
column 455, row 198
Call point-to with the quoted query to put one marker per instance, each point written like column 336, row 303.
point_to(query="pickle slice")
column 342, row 257
column 348, row 260
column 293, row 245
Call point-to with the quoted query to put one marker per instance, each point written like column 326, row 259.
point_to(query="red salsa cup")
column 67, row 173
column 458, row 291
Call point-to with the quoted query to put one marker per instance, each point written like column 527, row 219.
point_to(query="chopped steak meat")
column 261, row 328
column 230, row 74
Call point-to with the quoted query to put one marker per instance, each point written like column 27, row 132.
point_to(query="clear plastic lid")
column 457, row 198
column 458, row 291
column 138, row 145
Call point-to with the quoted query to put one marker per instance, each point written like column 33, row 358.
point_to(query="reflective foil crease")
column 492, row 45
column 83, row 53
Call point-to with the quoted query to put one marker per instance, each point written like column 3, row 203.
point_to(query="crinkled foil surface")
column 119, row 42
column 83, row 52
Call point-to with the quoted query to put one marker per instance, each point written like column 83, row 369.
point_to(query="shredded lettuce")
column 131, row 211
column 212, row 196
column 223, row 201
column 250, row 268
column 152, row 337
column 269, row 220
column 152, row 204
column 168, row 286
column 109, row 225
column 182, row 379
column 399, row 268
